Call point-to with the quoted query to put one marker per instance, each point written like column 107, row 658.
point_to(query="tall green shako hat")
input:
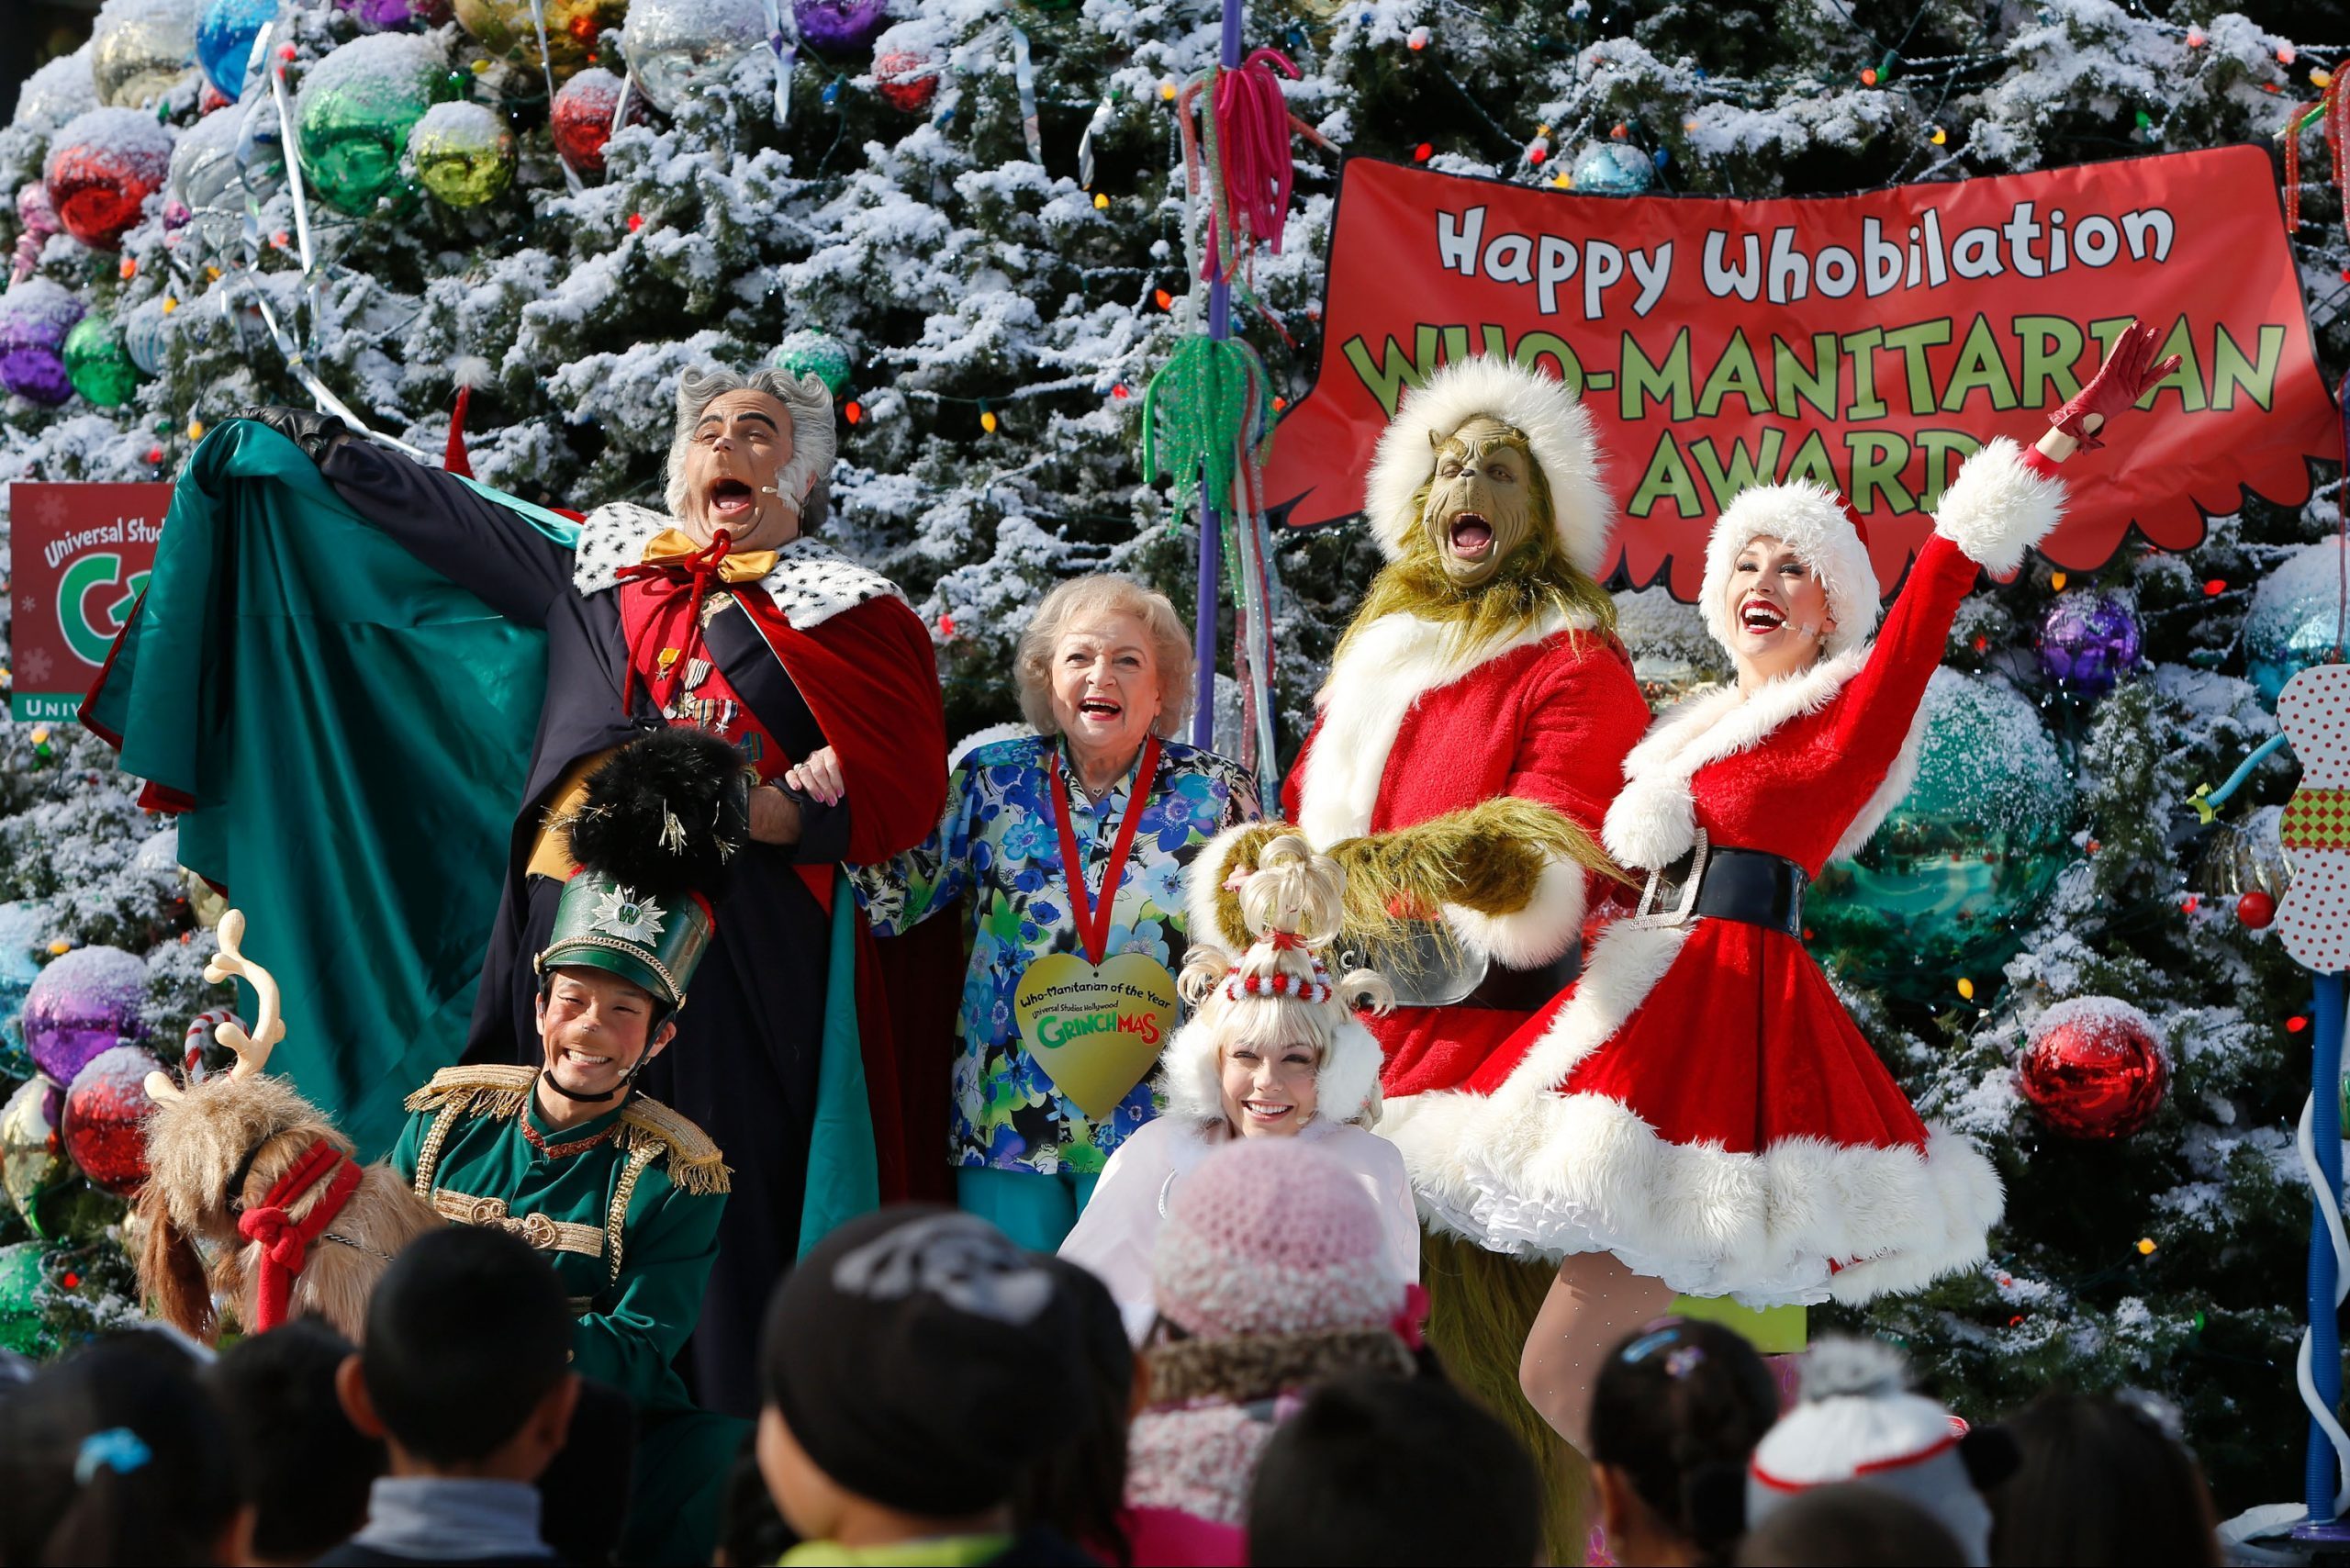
column 653, row 836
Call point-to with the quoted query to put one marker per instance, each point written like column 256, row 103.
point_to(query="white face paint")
column 1778, row 612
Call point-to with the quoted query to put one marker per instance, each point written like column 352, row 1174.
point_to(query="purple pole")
column 1211, row 521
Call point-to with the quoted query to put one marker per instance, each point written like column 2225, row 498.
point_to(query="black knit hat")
column 923, row 1360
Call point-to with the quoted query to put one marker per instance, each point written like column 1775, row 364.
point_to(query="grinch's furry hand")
column 1489, row 859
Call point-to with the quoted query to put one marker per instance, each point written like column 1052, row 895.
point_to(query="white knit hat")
column 1557, row 431
column 1814, row 523
column 1271, row 1235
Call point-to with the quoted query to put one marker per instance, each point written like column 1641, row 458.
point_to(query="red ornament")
column 581, row 119
column 106, row 1110
column 98, row 180
column 2255, row 909
column 909, row 80
column 2095, row 1069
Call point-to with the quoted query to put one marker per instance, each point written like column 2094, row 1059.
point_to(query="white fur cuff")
column 1545, row 930
column 1997, row 508
column 1203, row 882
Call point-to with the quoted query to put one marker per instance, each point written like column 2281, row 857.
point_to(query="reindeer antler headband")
column 251, row 1050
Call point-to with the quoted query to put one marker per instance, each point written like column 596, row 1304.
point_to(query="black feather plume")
column 665, row 814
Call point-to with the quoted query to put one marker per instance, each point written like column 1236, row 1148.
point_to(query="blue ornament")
column 1612, row 168
column 2295, row 620
column 224, row 40
column 20, row 932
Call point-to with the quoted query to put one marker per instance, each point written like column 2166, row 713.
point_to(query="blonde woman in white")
column 1273, row 1050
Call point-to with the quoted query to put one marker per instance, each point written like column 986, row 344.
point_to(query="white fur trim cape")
column 811, row 581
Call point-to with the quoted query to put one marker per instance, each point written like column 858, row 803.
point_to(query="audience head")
column 1274, row 1043
column 1858, row 1421
column 309, row 1466
column 584, row 1492
column 1676, row 1412
column 915, row 1362
column 1848, row 1524
column 466, row 1367
column 2101, row 1481
column 118, row 1454
column 751, row 1533
column 1380, row 1470
column 1079, row 1489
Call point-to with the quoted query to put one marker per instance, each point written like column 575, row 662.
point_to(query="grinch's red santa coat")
column 1435, row 718
column 1700, row 1104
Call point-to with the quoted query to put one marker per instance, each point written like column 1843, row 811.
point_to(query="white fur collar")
column 1396, row 660
column 1653, row 821
column 811, row 582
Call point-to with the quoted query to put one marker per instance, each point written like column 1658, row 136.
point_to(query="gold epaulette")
column 695, row 1163
column 499, row 1091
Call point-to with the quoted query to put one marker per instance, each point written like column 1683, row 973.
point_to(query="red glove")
column 2120, row 381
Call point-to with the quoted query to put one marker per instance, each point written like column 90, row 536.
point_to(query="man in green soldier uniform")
column 622, row 1193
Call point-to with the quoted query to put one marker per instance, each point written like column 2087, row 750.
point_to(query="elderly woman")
column 719, row 612
column 1070, row 847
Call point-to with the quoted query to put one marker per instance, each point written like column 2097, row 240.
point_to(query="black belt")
column 1525, row 991
column 1751, row 886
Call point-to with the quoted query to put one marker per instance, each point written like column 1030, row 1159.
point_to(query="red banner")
column 78, row 557
column 1867, row 342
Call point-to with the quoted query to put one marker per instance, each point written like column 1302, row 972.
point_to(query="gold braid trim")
column 498, row 1091
column 642, row 1152
column 696, row 1164
column 428, row 1159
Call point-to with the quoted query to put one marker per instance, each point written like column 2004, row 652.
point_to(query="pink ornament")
column 907, row 79
column 39, row 220
column 106, row 1113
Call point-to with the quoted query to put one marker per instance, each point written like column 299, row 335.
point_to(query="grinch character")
column 420, row 673
column 624, row 1196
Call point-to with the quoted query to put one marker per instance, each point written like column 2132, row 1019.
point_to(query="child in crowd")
column 117, row 1454
column 1676, row 1411
column 915, row 1363
column 1848, row 1524
column 1378, row 1470
column 1274, row 1273
column 2101, row 1481
column 311, row 1468
column 1857, row 1420
column 1273, row 1052
column 466, row 1377
column 1079, row 1489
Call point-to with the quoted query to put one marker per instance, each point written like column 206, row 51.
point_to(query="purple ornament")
column 84, row 1003
column 397, row 15
column 835, row 26
column 2087, row 642
column 35, row 315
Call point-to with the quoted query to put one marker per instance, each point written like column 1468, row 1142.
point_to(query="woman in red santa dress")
column 1698, row 1113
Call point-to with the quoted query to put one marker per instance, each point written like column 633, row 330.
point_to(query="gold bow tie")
column 671, row 548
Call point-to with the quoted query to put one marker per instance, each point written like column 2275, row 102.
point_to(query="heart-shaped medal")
column 1096, row 1029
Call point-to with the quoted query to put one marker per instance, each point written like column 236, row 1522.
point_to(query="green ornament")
column 810, row 352
column 463, row 153
column 97, row 363
column 1942, row 891
column 356, row 113
column 24, row 1296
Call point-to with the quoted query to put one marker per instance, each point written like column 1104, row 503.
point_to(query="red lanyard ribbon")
column 1093, row 917
column 691, row 573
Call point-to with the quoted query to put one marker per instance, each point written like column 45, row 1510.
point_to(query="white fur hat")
column 1346, row 1086
column 1557, row 431
column 1814, row 524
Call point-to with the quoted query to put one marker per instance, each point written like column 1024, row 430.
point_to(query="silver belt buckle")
column 1668, row 904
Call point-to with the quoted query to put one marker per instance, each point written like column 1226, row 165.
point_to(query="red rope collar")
column 284, row 1240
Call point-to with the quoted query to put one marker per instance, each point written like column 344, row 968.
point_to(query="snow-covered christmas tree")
column 970, row 216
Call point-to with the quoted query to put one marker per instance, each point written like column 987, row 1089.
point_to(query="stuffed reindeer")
column 261, row 1177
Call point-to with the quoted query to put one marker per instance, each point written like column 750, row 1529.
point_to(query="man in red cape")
column 721, row 611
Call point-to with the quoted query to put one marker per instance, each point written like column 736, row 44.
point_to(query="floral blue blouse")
column 997, row 847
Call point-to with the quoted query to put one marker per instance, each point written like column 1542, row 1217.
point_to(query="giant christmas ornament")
column 57, row 92
column 581, row 119
column 810, row 352
column 2295, row 618
column 98, row 364
column 1612, row 168
column 106, row 1112
column 1943, row 891
column 907, row 79
column 32, row 1147
column 24, row 1296
column 102, row 168
column 140, row 49
column 463, row 153
column 2087, row 642
column 506, row 28
column 838, row 26
column 356, row 112
column 261, row 147
column 207, row 179
column 395, row 16
column 672, row 44
column 85, row 1003
column 225, row 32
column 147, row 335
column 2094, row 1068
column 35, row 315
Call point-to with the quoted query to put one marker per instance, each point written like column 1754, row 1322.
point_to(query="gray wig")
column 802, row 481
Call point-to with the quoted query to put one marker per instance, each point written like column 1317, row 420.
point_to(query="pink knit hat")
column 1270, row 1236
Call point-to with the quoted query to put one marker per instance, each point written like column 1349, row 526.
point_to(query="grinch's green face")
column 1481, row 501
